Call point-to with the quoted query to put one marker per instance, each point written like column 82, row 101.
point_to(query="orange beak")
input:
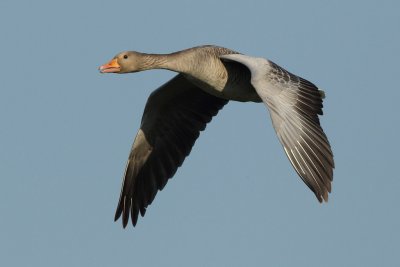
column 110, row 67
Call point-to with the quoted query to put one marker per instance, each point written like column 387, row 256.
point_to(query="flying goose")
column 208, row 77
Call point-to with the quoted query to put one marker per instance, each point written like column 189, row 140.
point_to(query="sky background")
column 66, row 132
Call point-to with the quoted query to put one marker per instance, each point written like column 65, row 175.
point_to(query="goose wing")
column 294, row 105
column 172, row 120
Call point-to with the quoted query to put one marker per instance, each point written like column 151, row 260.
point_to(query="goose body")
column 208, row 77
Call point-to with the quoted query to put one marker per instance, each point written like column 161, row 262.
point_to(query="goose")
column 208, row 77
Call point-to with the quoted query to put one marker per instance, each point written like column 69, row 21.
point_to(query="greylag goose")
column 208, row 77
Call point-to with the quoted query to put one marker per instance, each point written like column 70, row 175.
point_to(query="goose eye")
column 125, row 56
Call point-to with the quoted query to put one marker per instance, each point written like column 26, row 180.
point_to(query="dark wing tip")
column 326, row 195
column 125, row 213
column 134, row 215
column 118, row 213
column 321, row 195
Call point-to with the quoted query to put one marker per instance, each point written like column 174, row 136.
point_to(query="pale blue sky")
column 66, row 131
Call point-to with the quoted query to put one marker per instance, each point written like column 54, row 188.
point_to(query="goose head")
column 124, row 62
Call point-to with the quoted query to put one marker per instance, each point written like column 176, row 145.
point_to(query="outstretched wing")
column 294, row 104
column 172, row 120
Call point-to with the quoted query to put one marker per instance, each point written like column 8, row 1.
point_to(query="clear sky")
column 66, row 131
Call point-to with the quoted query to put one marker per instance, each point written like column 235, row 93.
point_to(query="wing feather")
column 294, row 104
column 172, row 120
